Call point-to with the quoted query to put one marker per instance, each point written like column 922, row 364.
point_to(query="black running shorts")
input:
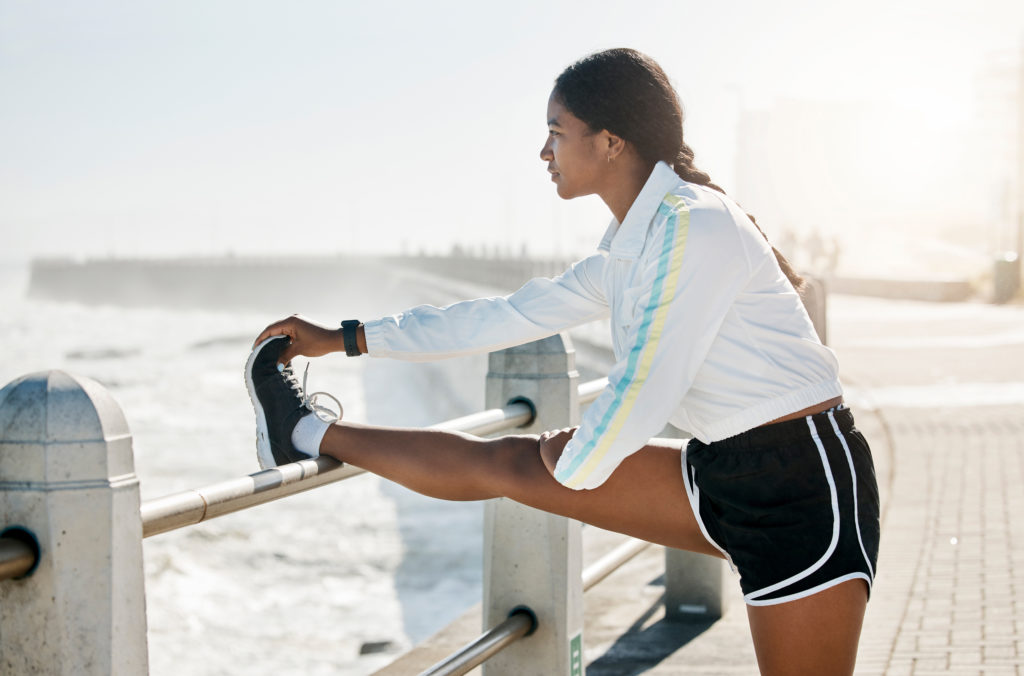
column 793, row 505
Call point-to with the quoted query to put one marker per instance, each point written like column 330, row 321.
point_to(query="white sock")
column 308, row 434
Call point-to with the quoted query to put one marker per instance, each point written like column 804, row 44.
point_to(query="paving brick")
column 951, row 556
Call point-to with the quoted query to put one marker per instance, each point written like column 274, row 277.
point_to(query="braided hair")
column 628, row 94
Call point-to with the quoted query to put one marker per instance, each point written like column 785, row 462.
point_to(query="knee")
column 516, row 460
column 528, row 449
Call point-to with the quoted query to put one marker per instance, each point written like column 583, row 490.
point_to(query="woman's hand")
column 308, row 339
column 552, row 444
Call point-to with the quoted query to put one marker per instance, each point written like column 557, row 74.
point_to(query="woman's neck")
column 625, row 181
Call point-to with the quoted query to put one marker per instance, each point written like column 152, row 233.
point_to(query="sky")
column 169, row 128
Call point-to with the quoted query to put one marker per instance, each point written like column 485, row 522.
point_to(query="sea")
column 338, row 580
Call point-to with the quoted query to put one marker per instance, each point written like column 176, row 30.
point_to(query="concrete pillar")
column 694, row 582
column 1005, row 276
column 815, row 297
column 694, row 586
column 533, row 558
column 67, row 475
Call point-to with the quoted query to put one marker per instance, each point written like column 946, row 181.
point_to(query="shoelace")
column 320, row 411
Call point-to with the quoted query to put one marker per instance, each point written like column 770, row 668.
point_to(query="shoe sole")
column 264, row 454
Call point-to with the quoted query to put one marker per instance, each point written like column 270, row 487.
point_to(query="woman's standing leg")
column 817, row 635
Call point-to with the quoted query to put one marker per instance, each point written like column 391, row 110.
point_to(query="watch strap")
column 348, row 335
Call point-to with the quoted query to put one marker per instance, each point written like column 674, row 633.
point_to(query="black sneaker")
column 280, row 402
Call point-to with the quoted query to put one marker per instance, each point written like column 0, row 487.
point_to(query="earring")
column 609, row 159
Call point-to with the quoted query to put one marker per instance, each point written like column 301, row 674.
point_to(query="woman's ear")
column 614, row 145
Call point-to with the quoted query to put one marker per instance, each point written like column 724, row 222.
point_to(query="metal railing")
column 531, row 387
column 193, row 506
column 190, row 507
column 187, row 508
column 519, row 624
column 612, row 561
column 522, row 622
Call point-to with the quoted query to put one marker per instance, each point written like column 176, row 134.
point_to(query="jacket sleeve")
column 689, row 275
column 542, row 307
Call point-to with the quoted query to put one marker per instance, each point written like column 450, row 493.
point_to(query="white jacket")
column 708, row 333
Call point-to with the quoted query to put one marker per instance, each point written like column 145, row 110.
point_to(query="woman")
column 708, row 332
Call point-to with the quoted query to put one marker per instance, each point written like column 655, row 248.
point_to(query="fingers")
column 288, row 353
column 284, row 327
column 307, row 339
column 552, row 443
column 288, row 327
column 567, row 432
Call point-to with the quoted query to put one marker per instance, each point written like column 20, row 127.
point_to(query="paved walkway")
column 950, row 594
column 949, row 597
column 938, row 390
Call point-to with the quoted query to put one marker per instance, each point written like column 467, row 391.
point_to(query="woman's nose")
column 545, row 152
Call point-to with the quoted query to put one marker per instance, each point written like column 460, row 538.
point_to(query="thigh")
column 817, row 634
column 645, row 497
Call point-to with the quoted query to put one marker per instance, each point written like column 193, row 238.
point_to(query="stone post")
column 67, row 475
column 532, row 558
column 694, row 583
column 694, row 586
column 815, row 297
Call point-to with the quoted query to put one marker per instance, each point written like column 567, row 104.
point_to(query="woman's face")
column 575, row 160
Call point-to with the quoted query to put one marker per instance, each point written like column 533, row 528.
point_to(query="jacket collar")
column 627, row 240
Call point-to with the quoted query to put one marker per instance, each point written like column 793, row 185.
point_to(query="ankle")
column 309, row 434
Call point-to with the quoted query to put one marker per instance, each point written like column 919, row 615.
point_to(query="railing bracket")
column 526, row 610
column 530, row 404
column 28, row 539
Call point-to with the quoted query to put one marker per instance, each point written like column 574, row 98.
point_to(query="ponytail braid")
column 683, row 166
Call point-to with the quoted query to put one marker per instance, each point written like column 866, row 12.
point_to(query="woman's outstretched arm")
column 542, row 307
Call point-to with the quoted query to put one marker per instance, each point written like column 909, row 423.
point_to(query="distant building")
column 904, row 188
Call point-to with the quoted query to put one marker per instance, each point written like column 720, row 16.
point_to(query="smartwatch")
column 348, row 334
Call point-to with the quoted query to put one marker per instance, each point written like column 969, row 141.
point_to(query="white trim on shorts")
column 856, row 509
column 809, row 592
column 693, row 494
column 751, row 598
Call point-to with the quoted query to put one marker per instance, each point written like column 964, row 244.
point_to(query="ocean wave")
column 95, row 354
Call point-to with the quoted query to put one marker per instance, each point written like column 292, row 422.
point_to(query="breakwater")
column 260, row 282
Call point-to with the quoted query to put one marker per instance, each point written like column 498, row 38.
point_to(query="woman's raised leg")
column 645, row 497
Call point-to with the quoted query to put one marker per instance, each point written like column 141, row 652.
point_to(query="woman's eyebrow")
column 553, row 122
